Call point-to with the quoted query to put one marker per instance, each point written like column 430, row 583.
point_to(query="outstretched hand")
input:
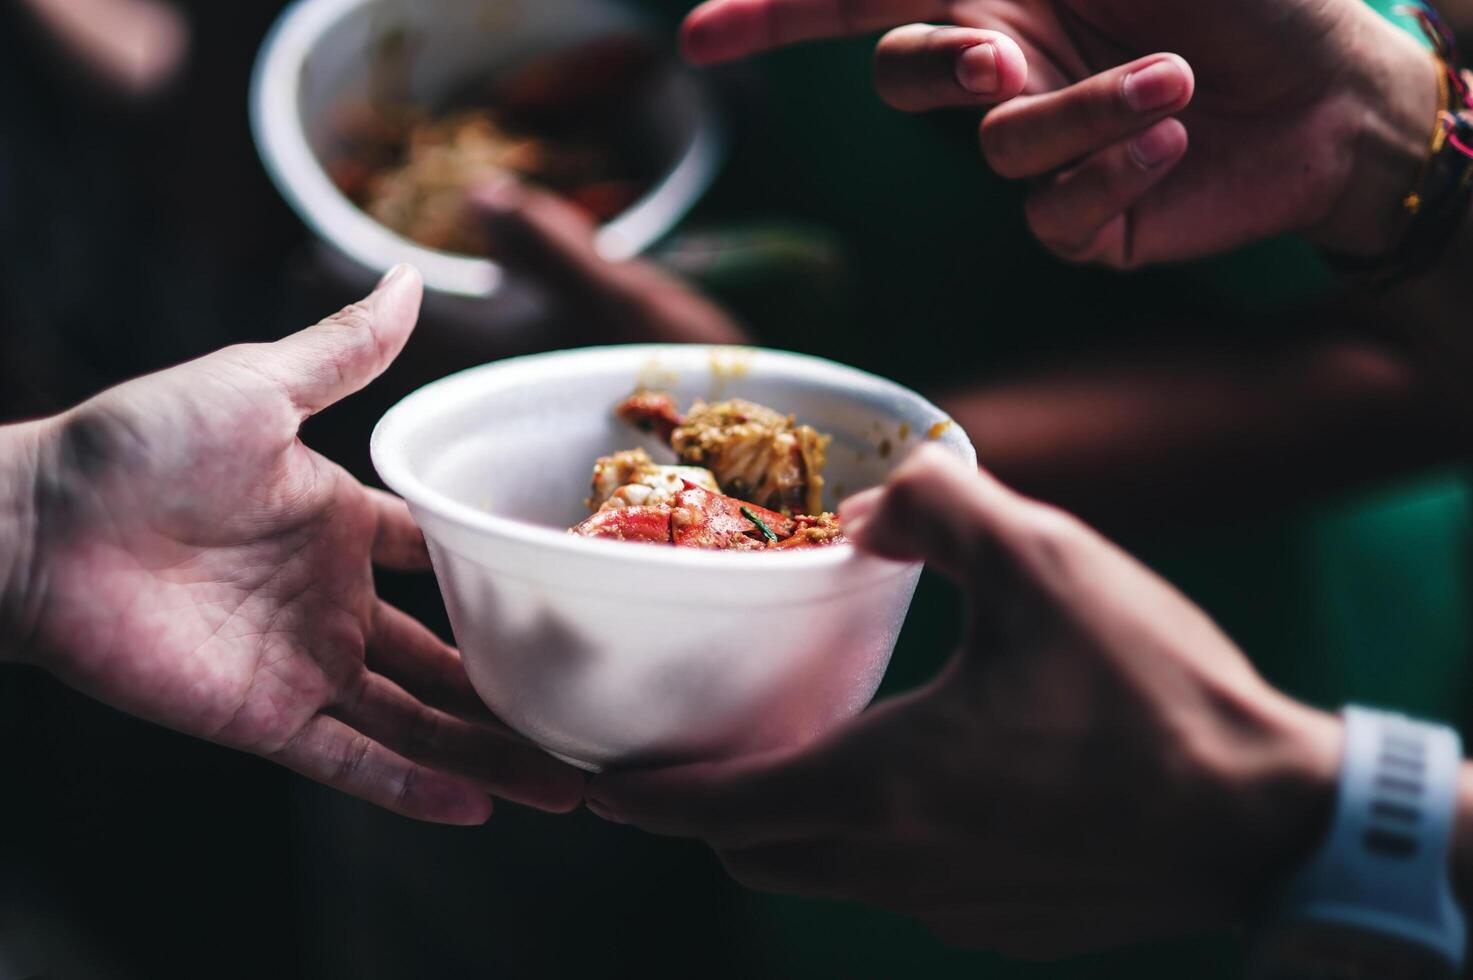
column 198, row 566
column 535, row 233
column 1097, row 765
column 1303, row 115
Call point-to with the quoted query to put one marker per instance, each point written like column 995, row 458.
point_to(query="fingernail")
column 1155, row 86
column 603, row 811
column 392, row 275
column 976, row 69
column 1156, row 145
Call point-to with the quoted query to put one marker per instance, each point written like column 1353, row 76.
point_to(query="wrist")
column 1285, row 785
column 1396, row 95
column 20, row 546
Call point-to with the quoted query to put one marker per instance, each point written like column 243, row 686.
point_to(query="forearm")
column 20, row 453
column 1172, row 436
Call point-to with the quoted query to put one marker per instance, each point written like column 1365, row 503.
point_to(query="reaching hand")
column 199, row 567
column 1098, row 764
column 537, row 234
column 1303, row 115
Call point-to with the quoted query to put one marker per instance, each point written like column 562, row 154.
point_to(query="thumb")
column 934, row 508
column 331, row 360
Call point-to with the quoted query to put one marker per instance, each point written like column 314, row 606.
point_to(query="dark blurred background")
column 138, row 230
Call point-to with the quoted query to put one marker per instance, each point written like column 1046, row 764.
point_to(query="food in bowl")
column 556, row 121
column 617, row 655
column 764, row 457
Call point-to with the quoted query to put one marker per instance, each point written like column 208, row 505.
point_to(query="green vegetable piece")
column 766, row 531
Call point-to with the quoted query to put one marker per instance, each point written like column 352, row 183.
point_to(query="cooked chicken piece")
column 632, row 479
column 755, row 454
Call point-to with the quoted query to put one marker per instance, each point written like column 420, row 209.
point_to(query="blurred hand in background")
column 1304, row 115
column 191, row 562
column 558, row 291
column 1097, row 765
column 135, row 47
column 551, row 241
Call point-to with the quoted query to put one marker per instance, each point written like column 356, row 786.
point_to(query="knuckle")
column 1111, row 246
column 356, row 335
column 1059, row 237
column 353, row 686
column 896, row 66
column 405, row 788
column 354, row 317
column 1102, row 110
column 995, row 136
column 1049, row 539
column 351, row 759
column 428, row 731
column 1005, row 144
column 1044, row 221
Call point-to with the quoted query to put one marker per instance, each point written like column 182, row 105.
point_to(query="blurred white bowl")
column 612, row 653
column 321, row 54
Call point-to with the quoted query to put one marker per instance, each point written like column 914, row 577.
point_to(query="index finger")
column 1035, row 134
column 724, row 30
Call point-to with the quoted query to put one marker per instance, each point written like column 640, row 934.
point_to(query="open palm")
column 1278, row 106
column 201, row 568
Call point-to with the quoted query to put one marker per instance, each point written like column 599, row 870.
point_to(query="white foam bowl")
column 610, row 653
column 319, row 55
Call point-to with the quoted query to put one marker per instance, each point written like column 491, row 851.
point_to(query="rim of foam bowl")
column 300, row 178
column 394, row 430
